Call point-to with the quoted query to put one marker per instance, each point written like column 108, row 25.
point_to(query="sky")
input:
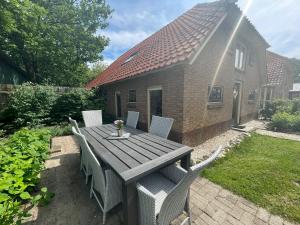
column 134, row 20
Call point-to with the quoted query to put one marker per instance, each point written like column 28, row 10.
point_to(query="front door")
column 154, row 103
column 118, row 105
column 236, row 110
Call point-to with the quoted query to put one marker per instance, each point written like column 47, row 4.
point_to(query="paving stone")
column 236, row 212
column 275, row 220
column 258, row 221
column 247, row 218
column 233, row 220
column 247, row 207
column 263, row 214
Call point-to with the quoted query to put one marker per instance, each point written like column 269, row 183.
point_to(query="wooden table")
column 139, row 155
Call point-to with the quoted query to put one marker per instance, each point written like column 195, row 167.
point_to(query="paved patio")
column 71, row 205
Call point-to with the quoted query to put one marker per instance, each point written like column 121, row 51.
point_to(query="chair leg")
column 104, row 217
column 91, row 190
column 86, row 178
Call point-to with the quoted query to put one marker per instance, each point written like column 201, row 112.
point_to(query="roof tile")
column 276, row 68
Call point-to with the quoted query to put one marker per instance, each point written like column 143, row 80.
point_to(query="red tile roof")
column 173, row 44
column 277, row 68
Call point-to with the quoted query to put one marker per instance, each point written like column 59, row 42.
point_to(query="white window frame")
column 153, row 88
column 240, row 57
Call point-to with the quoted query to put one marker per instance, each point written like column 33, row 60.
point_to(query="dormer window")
column 240, row 56
column 131, row 57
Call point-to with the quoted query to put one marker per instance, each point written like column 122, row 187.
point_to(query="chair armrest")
column 174, row 172
column 146, row 206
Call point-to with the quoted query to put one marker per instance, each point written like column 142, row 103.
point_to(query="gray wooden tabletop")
column 135, row 157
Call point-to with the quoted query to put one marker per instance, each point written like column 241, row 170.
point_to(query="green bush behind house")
column 285, row 115
column 22, row 158
column 32, row 105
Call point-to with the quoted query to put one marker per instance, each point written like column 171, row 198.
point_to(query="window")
column 215, row 94
column 132, row 96
column 240, row 58
column 131, row 57
column 252, row 95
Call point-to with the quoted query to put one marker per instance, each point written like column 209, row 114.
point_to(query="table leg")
column 130, row 210
column 186, row 161
column 185, row 164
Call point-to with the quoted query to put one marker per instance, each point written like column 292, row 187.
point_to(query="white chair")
column 132, row 119
column 84, row 159
column 92, row 118
column 106, row 187
column 74, row 124
column 163, row 196
column 161, row 126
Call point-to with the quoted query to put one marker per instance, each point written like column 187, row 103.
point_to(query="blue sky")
column 134, row 20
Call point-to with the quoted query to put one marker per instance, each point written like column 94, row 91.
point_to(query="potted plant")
column 119, row 125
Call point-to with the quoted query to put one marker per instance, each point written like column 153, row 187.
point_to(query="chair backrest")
column 92, row 118
column 132, row 119
column 161, row 126
column 74, row 124
column 93, row 164
column 174, row 203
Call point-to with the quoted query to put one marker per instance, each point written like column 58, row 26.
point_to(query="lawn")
column 264, row 170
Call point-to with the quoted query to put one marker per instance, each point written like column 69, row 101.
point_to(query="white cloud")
column 278, row 22
column 108, row 61
column 125, row 39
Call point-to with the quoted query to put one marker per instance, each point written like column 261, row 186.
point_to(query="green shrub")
column 296, row 106
column 296, row 123
column 29, row 105
column 285, row 122
column 72, row 103
column 22, row 158
column 35, row 105
column 282, row 121
column 268, row 111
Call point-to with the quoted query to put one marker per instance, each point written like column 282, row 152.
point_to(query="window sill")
column 212, row 105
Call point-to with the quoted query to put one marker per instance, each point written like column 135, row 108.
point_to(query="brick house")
column 279, row 78
column 199, row 70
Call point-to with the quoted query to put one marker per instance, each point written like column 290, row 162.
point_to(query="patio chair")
column 164, row 195
column 106, row 187
column 132, row 119
column 92, row 118
column 74, row 124
column 84, row 161
column 161, row 126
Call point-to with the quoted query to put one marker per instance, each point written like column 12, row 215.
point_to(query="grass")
column 264, row 170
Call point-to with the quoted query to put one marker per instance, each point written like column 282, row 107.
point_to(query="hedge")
column 31, row 105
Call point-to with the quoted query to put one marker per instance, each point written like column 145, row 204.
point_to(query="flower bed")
column 22, row 158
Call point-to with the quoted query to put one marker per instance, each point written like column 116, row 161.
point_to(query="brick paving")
column 210, row 204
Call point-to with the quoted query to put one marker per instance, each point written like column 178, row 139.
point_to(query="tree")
column 95, row 70
column 53, row 40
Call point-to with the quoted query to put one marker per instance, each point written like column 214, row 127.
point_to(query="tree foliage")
column 96, row 70
column 53, row 40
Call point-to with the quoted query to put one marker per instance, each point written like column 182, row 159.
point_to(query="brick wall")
column 201, row 121
column 171, row 81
